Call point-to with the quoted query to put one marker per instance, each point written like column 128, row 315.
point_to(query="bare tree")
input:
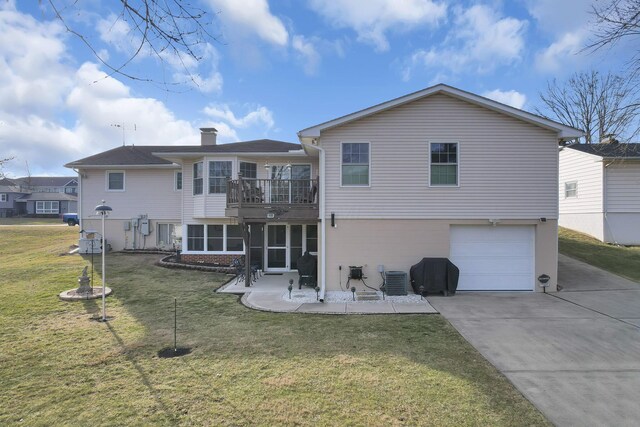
column 2, row 163
column 616, row 20
column 157, row 27
column 600, row 105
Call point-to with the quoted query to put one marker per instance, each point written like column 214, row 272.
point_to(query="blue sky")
column 277, row 67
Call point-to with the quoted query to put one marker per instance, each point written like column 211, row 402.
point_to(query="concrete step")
column 367, row 296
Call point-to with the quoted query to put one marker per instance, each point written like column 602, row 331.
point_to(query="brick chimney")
column 208, row 136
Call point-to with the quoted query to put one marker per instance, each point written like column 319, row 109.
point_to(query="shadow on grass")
column 219, row 326
column 94, row 308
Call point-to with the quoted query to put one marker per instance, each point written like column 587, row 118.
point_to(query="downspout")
column 604, row 201
column 81, row 221
column 323, row 223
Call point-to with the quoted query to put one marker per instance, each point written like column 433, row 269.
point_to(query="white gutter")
column 323, row 223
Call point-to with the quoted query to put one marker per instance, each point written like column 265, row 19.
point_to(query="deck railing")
column 246, row 192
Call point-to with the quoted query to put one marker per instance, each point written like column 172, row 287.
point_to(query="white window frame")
column 209, row 162
column 342, row 164
column 4, row 197
column 47, row 211
column 224, row 250
column 175, row 180
column 193, row 179
column 567, row 190
column 124, row 181
column 173, row 237
column 457, row 184
column 252, row 163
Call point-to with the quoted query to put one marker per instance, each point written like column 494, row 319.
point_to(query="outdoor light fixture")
column 290, row 287
column 103, row 210
column 333, row 219
column 544, row 282
column 383, row 288
column 421, row 289
column 317, row 289
column 353, row 292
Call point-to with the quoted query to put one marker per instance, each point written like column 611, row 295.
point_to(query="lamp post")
column 103, row 211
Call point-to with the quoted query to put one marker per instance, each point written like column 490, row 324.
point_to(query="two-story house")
column 47, row 195
column 436, row 173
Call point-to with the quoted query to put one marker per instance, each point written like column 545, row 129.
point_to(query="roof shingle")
column 610, row 151
column 143, row 154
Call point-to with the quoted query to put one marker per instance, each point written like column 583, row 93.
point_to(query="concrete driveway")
column 574, row 354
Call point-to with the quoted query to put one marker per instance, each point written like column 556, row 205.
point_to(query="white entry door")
column 499, row 258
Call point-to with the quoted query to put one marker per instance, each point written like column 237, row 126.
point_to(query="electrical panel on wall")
column 127, row 225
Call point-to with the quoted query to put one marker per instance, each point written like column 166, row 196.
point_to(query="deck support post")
column 246, row 237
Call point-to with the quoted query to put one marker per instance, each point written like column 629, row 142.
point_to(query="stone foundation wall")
column 210, row 258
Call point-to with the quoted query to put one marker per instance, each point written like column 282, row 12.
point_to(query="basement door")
column 499, row 258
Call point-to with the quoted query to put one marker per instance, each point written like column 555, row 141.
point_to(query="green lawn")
column 58, row 367
column 624, row 261
column 30, row 221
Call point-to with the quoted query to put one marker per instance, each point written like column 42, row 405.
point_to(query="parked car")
column 71, row 219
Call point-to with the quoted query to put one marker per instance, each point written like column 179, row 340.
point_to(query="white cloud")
column 53, row 117
column 260, row 116
column 479, row 41
column 251, row 17
column 372, row 19
column 116, row 32
column 560, row 53
column 307, row 54
column 509, row 97
column 558, row 17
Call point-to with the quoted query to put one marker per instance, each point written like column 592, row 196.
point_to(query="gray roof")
column 610, row 151
column 143, row 154
column 47, row 196
column 46, row 181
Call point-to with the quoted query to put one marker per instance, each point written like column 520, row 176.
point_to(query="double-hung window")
column 355, row 164
column 115, row 181
column 570, row 189
column 219, row 172
column 4, row 197
column 197, row 178
column 443, row 164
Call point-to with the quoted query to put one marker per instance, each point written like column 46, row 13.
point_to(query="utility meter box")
column 144, row 226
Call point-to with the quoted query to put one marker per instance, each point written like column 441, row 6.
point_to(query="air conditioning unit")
column 89, row 246
column 396, row 283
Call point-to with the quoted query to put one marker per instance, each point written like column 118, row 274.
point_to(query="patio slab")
column 326, row 307
column 414, row 308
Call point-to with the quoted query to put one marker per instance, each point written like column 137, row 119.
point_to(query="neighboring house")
column 600, row 191
column 49, row 184
column 47, row 195
column 10, row 191
column 436, row 173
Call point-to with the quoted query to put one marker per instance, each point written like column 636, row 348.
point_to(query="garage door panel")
column 494, row 249
column 493, row 265
column 490, row 282
column 494, row 258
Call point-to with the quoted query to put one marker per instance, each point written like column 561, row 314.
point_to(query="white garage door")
column 493, row 258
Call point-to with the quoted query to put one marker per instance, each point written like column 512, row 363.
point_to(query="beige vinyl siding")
column 623, row 188
column 397, row 245
column 507, row 168
column 586, row 170
column 147, row 192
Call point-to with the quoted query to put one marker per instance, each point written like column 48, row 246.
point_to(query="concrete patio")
column 269, row 293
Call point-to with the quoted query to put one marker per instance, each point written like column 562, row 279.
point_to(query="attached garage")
column 499, row 258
